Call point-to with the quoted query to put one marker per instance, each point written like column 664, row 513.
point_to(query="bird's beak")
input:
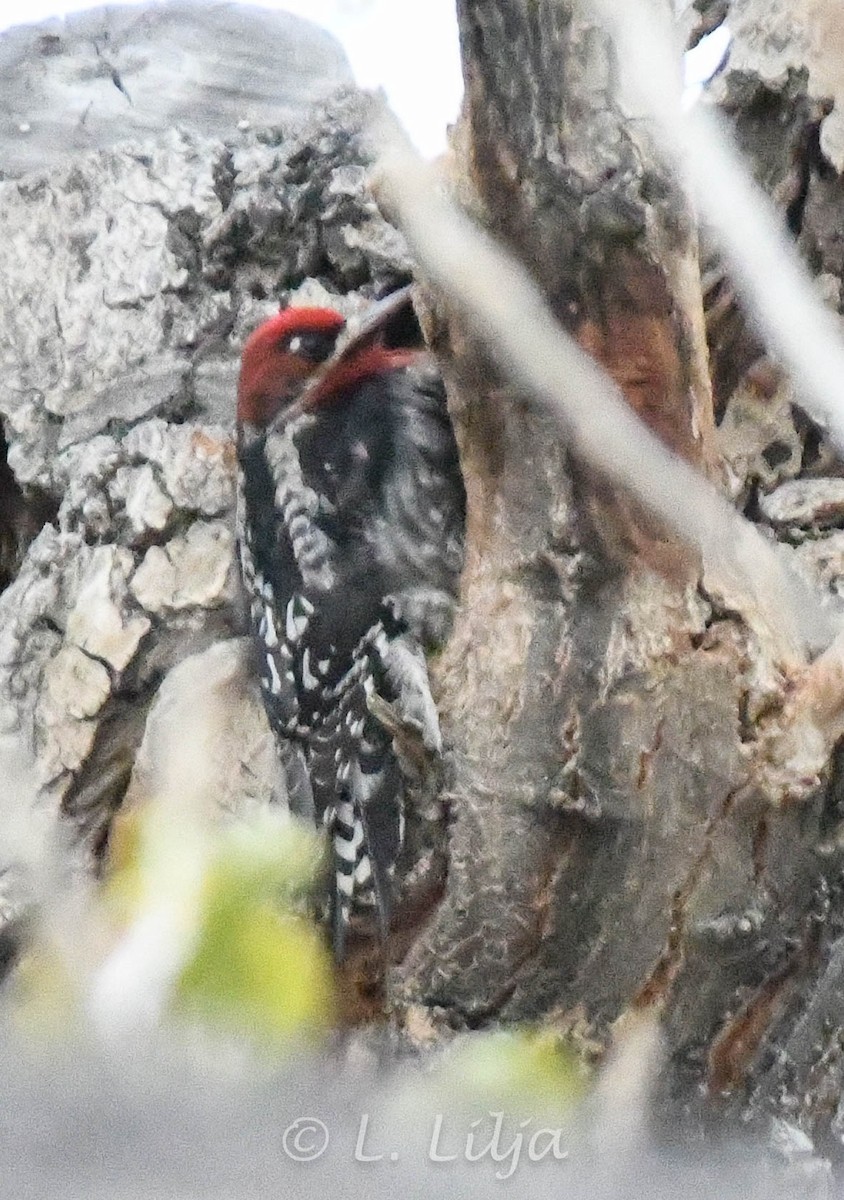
column 370, row 328
column 356, row 337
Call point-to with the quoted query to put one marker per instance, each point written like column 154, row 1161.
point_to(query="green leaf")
column 259, row 968
column 532, row 1073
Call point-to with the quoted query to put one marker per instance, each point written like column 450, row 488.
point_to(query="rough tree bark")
column 629, row 828
column 129, row 273
column 618, row 840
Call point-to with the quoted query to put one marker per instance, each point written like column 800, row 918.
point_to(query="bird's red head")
column 280, row 356
column 284, row 354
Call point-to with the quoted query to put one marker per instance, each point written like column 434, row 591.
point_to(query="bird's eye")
column 315, row 347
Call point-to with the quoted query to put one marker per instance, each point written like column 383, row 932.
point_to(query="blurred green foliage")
column 260, row 965
column 536, row 1073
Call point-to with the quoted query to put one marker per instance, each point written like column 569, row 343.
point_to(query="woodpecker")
column 350, row 528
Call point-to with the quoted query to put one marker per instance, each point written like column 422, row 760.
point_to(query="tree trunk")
column 615, row 842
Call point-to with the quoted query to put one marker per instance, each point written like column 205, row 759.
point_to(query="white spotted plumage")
column 351, row 529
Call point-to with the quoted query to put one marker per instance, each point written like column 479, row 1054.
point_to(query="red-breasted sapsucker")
column 351, row 515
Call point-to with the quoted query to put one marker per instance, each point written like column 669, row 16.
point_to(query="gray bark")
column 781, row 88
column 97, row 78
column 130, row 275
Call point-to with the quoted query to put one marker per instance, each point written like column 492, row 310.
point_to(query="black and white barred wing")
column 357, row 773
column 284, row 555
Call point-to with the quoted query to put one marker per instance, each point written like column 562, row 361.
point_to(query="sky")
column 409, row 49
